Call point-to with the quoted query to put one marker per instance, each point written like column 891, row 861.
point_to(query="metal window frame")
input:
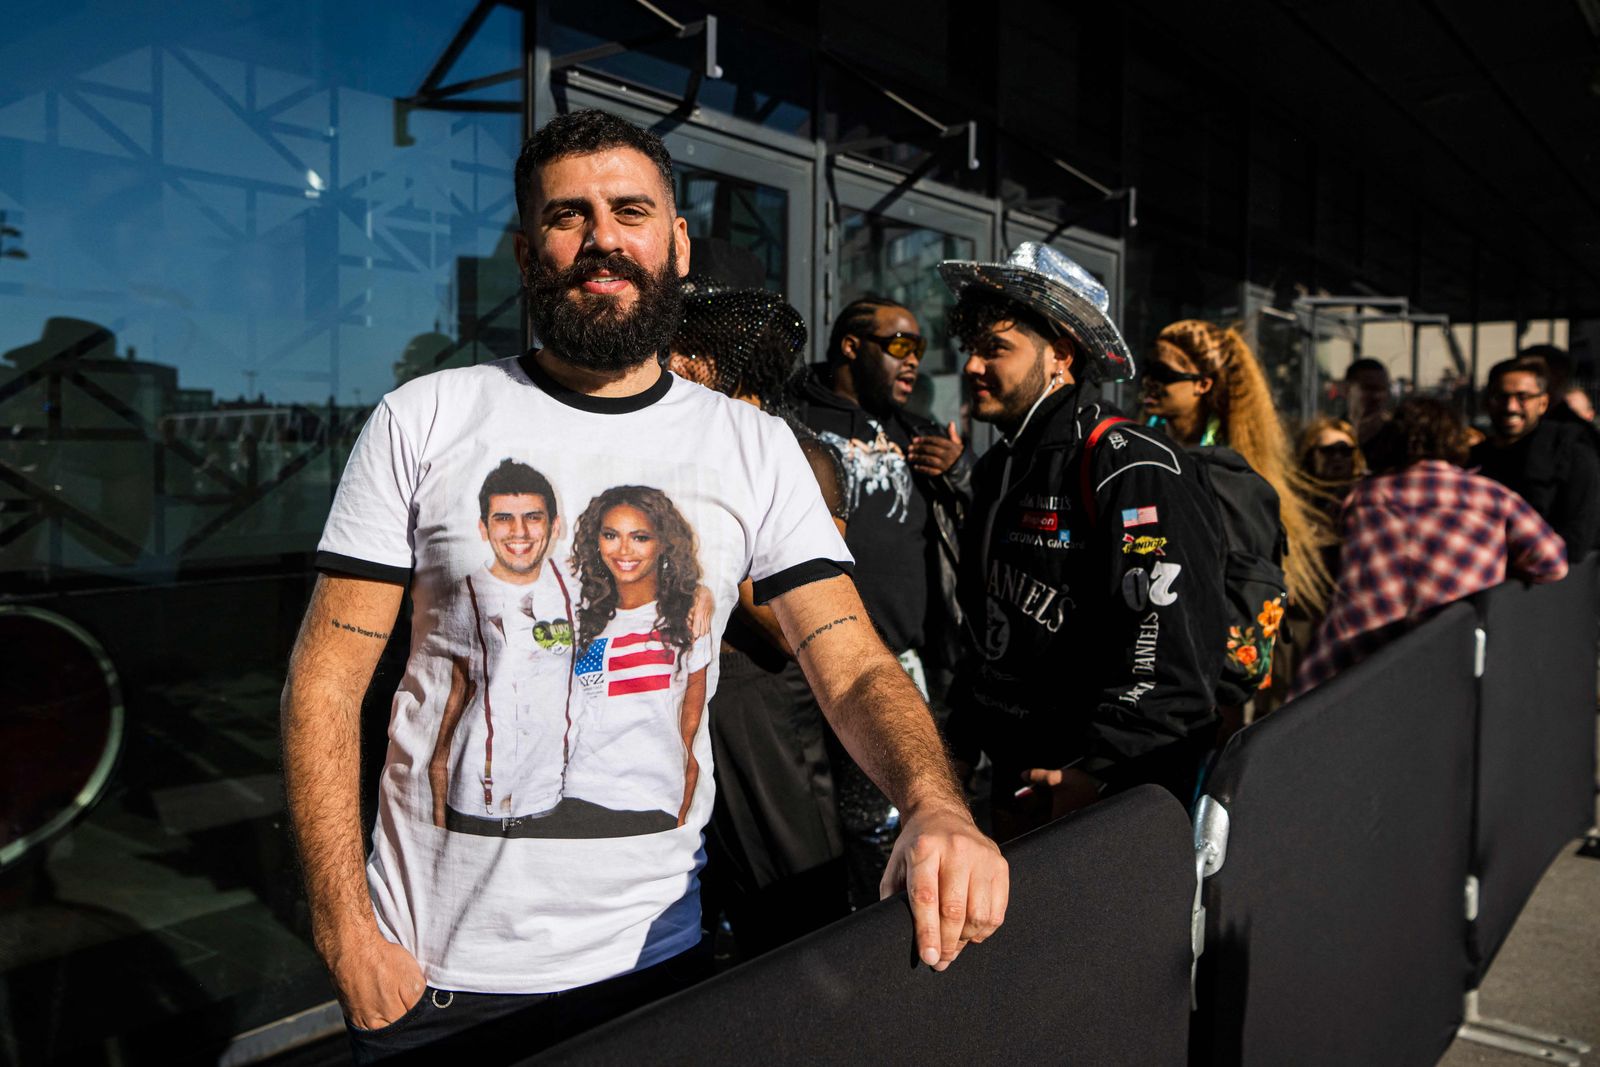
column 741, row 140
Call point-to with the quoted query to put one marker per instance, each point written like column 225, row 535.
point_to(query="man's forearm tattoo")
column 819, row 631
column 357, row 630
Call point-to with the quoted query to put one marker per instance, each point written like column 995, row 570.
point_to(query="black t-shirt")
column 887, row 519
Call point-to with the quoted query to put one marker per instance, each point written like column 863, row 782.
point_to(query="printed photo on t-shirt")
column 574, row 704
column 514, row 848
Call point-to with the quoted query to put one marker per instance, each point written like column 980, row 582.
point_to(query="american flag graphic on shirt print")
column 632, row 663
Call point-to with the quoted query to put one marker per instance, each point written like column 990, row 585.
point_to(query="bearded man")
column 460, row 942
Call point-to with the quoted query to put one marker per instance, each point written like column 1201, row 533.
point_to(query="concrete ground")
column 1548, row 973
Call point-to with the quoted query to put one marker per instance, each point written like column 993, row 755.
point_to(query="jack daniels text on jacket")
column 1097, row 624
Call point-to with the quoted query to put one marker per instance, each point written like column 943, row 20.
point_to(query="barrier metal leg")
column 1505, row 1042
column 1514, row 1037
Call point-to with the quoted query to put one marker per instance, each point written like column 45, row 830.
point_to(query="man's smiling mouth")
column 605, row 283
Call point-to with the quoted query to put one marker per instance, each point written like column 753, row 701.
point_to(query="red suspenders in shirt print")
column 488, row 708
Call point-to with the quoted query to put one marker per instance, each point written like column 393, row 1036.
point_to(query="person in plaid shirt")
column 1424, row 535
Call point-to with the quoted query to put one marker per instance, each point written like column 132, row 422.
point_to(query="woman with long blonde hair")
column 1203, row 381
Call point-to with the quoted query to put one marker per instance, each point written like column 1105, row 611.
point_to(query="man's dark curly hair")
column 980, row 310
column 511, row 478
column 677, row 567
column 1421, row 428
column 1521, row 364
column 583, row 133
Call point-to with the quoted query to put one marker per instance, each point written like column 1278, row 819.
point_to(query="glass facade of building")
column 233, row 247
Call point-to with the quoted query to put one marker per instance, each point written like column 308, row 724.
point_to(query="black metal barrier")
column 1091, row 967
column 1536, row 744
column 1334, row 921
column 1343, row 840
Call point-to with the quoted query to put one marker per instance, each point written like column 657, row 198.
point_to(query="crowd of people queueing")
column 1051, row 640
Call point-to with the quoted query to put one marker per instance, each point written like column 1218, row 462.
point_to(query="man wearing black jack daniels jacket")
column 1092, row 565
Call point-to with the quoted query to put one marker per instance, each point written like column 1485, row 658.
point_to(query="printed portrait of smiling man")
column 519, row 528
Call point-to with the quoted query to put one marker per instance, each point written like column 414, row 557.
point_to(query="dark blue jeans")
column 501, row 1027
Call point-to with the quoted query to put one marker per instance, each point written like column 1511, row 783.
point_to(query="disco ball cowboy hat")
column 1047, row 282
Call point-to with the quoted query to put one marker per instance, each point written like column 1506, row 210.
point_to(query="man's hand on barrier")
column 377, row 981
column 957, row 882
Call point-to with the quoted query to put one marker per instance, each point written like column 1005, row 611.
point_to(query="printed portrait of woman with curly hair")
column 642, row 654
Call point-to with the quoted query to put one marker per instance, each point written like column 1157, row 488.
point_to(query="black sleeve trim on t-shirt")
column 334, row 563
column 602, row 405
column 812, row 570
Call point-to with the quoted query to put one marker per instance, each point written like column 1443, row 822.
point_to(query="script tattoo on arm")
column 819, row 631
column 336, row 624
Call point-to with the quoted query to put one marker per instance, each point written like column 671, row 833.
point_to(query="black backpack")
column 1253, row 576
column 1254, row 546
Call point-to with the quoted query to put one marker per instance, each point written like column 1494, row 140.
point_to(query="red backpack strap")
column 1087, row 465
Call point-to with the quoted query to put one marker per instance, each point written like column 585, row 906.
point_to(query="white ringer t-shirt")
column 517, row 895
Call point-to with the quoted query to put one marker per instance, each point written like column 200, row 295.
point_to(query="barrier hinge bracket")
column 1471, row 894
column 1480, row 651
column 1210, row 852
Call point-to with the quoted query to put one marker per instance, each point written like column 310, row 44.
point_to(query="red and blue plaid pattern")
column 1417, row 540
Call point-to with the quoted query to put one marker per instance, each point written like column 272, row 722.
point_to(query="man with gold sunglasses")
column 907, row 483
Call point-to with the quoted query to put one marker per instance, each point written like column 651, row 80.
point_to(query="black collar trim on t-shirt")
column 602, row 405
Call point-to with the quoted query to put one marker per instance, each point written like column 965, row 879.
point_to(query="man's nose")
column 974, row 366
column 605, row 235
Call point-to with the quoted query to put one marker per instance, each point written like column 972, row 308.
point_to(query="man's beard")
column 592, row 330
column 1015, row 407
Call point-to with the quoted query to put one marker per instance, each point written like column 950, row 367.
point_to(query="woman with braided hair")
column 1204, row 383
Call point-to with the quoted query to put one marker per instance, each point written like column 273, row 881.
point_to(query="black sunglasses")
column 1160, row 372
column 901, row 346
column 1338, row 450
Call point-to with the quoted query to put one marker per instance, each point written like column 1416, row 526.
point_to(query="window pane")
column 898, row 260
column 747, row 215
column 235, row 245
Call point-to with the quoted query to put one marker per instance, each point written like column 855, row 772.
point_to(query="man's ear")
column 483, row 529
column 1063, row 353
column 848, row 344
column 680, row 238
column 522, row 250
